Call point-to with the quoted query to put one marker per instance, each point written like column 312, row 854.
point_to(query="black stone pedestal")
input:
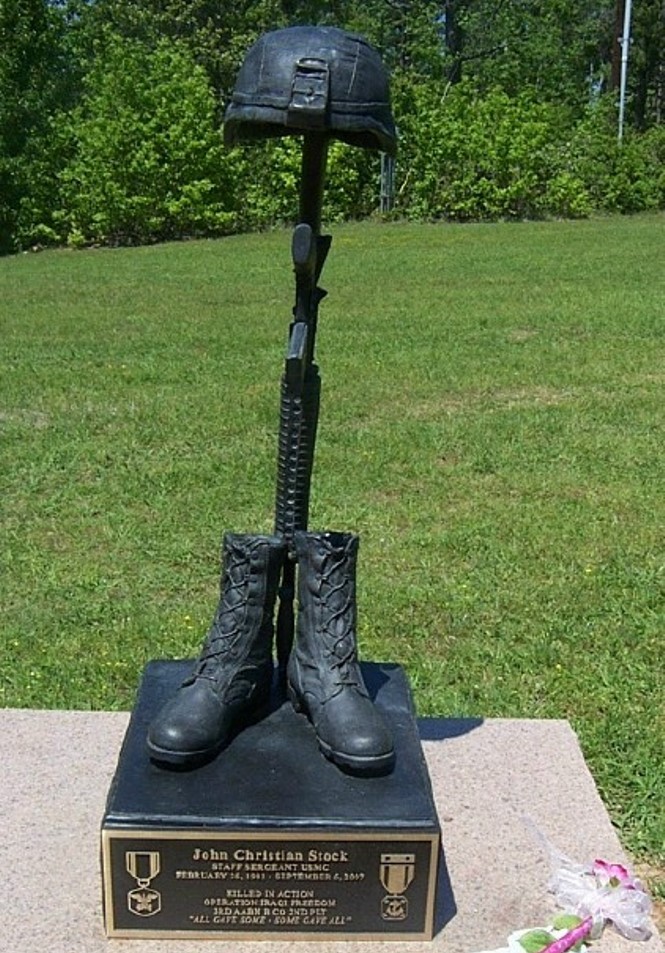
column 270, row 840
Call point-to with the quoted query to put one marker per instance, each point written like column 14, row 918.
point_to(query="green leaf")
column 536, row 940
column 566, row 921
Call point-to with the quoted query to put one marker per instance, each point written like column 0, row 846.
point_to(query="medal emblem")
column 396, row 873
column 143, row 866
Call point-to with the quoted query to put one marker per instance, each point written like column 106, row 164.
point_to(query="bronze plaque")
column 342, row 885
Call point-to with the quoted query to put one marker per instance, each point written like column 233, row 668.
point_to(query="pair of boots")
column 232, row 678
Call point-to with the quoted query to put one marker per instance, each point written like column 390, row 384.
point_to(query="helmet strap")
column 310, row 87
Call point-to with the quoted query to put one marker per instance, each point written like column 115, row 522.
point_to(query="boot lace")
column 230, row 617
column 338, row 619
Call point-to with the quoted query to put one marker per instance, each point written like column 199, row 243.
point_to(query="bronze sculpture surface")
column 269, row 839
column 318, row 83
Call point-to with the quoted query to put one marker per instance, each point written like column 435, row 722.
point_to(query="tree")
column 407, row 33
column 557, row 49
column 647, row 62
column 34, row 82
column 147, row 158
column 109, row 111
column 216, row 34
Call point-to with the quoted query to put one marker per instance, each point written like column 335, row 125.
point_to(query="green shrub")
column 618, row 176
column 467, row 157
column 470, row 157
column 141, row 159
column 147, row 161
column 266, row 182
column 40, row 219
column 566, row 196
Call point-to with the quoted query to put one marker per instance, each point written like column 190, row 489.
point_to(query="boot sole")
column 372, row 765
column 186, row 759
column 354, row 764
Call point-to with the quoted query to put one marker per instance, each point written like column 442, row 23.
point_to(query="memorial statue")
column 318, row 83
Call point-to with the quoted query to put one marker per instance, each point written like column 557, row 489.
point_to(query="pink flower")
column 613, row 875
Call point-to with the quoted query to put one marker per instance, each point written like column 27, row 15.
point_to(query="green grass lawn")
column 491, row 424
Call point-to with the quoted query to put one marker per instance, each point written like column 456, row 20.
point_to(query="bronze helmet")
column 312, row 78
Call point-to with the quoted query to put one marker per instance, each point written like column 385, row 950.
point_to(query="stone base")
column 493, row 781
column 270, row 838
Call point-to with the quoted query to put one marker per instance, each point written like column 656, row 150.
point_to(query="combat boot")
column 324, row 677
column 233, row 674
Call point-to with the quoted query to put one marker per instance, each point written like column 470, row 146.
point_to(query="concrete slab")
column 492, row 780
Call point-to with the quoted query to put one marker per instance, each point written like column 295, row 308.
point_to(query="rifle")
column 300, row 391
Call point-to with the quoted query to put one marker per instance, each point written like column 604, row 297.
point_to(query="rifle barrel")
column 301, row 384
